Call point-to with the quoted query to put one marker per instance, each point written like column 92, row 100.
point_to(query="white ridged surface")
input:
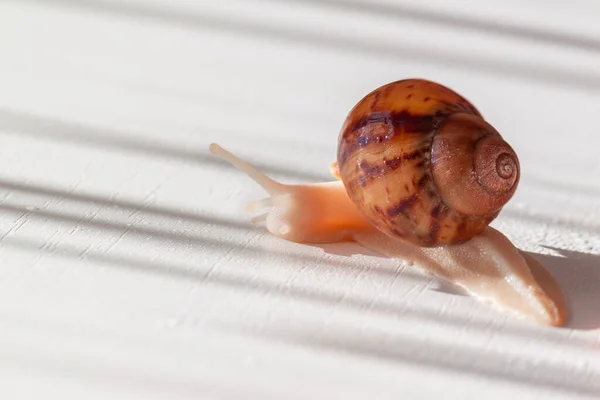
column 128, row 268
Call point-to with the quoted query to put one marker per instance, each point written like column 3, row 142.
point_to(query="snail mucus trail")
column 419, row 177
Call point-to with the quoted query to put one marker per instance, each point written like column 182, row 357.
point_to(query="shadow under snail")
column 419, row 177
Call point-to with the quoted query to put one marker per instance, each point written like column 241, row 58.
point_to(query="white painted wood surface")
column 129, row 270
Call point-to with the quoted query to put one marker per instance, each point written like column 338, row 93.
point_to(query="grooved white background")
column 129, row 270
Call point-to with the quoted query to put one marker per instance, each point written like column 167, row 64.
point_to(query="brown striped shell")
column 421, row 164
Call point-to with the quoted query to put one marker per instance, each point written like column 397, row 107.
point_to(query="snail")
column 419, row 176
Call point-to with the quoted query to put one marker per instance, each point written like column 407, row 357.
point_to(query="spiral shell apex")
column 421, row 164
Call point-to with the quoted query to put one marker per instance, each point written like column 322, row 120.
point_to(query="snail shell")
column 421, row 164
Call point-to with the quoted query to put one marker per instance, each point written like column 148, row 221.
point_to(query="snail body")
column 422, row 165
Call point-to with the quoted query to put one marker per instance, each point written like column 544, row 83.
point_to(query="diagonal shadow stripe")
column 25, row 124
column 461, row 22
column 400, row 348
column 159, row 232
column 132, row 206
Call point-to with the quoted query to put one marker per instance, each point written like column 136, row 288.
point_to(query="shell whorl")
column 421, row 164
column 496, row 165
column 475, row 171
